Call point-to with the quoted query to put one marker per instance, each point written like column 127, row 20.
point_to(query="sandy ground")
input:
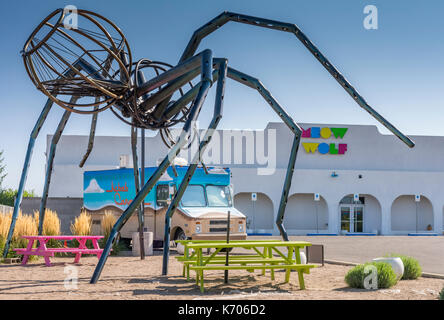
column 131, row 278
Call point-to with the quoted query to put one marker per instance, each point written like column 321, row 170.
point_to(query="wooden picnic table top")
column 62, row 237
column 249, row 244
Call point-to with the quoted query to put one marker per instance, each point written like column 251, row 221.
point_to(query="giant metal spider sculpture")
column 89, row 69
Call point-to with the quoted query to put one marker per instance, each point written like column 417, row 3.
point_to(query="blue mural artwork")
column 116, row 187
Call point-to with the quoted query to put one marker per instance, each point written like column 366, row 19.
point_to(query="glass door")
column 358, row 221
column 345, row 218
column 352, row 218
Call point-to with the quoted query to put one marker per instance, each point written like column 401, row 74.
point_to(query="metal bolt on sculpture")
column 90, row 69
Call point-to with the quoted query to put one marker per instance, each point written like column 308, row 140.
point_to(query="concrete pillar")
column 333, row 216
column 275, row 213
column 386, row 218
column 438, row 217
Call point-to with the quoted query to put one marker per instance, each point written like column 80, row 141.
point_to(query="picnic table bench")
column 262, row 259
column 43, row 250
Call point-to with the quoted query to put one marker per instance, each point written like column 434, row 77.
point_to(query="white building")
column 385, row 175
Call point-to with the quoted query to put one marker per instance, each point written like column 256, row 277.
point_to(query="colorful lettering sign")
column 324, row 133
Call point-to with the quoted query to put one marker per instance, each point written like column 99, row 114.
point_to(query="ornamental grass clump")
column 385, row 275
column 82, row 225
column 412, row 268
column 5, row 222
column 51, row 226
column 108, row 221
column 25, row 225
column 51, row 222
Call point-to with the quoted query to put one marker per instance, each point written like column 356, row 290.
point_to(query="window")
column 194, row 196
column 350, row 200
column 219, row 196
column 163, row 194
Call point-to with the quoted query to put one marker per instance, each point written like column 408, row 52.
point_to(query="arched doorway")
column 259, row 211
column 362, row 215
column 408, row 215
column 305, row 215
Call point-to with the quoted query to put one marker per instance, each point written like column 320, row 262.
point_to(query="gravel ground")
column 131, row 278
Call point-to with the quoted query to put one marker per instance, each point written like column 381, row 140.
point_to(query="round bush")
column 412, row 269
column 385, row 275
column 441, row 294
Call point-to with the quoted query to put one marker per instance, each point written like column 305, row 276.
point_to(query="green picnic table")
column 262, row 258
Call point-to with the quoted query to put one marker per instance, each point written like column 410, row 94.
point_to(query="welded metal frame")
column 141, row 210
column 222, row 65
column 18, row 200
column 49, row 166
column 149, row 104
column 205, row 59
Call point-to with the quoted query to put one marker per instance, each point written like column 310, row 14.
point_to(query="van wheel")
column 180, row 235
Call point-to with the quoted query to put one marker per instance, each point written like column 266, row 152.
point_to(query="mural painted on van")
column 116, row 188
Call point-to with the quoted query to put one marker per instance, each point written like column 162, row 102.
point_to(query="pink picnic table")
column 42, row 250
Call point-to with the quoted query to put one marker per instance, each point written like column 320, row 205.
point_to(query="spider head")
column 89, row 59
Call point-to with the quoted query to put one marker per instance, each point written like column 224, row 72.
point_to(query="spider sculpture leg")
column 141, row 79
column 32, row 138
column 92, row 133
column 137, row 185
column 297, row 131
column 18, row 199
column 217, row 115
column 50, row 162
column 206, row 65
column 225, row 17
column 92, row 130
column 49, row 166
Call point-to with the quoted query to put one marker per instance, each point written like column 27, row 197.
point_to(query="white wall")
column 372, row 214
column 389, row 169
column 406, row 213
column 300, row 214
column 259, row 213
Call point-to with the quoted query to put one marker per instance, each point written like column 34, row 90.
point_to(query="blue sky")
column 398, row 68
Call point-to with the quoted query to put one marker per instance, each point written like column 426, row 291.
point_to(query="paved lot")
column 428, row 250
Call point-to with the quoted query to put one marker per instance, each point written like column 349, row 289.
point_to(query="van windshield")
column 219, row 196
column 194, row 196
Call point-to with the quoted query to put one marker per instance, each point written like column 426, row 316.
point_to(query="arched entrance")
column 305, row 215
column 408, row 215
column 259, row 211
column 362, row 215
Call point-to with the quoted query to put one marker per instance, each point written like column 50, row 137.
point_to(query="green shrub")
column 441, row 294
column 7, row 196
column 385, row 275
column 412, row 269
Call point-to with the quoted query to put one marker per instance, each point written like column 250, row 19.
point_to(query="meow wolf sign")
column 324, row 133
